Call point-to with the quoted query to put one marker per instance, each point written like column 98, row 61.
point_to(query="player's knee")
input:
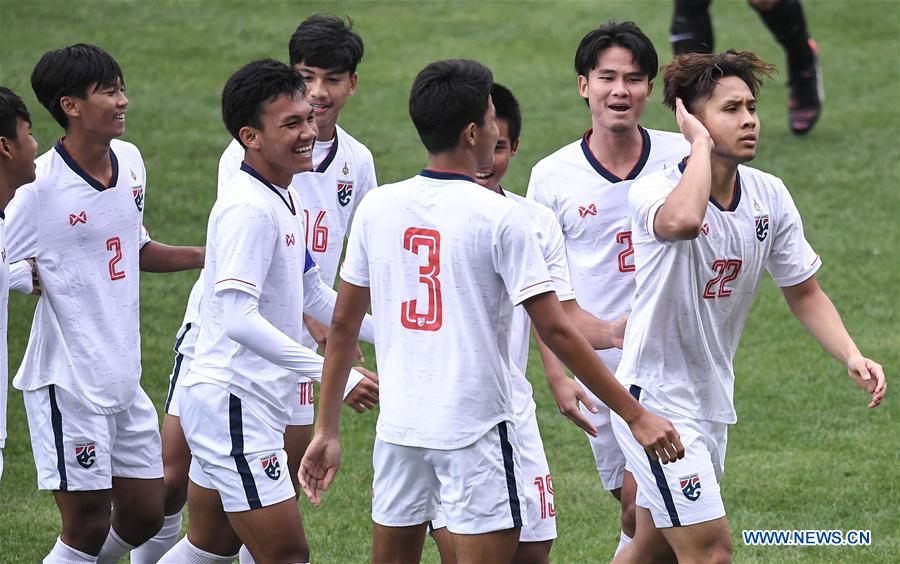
column 629, row 521
column 719, row 551
column 533, row 552
column 176, row 485
column 139, row 524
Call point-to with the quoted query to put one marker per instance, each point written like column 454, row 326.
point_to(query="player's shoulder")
column 560, row 158
column 125, row 150
column 232, row 151
column 353, row 145
column 761, row 183
column 534, row 210
column 662, row 180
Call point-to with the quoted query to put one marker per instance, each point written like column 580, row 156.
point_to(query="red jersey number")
column 624, row 238
column 319, row 242
column 418, row 240
column 114, row 245
column 726, row 271
column 545, row 489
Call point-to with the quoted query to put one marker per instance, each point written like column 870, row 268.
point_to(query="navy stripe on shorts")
column 237, row 451
column 656, row 467
column 176, row 371
column 56, row 422
column 509, row 466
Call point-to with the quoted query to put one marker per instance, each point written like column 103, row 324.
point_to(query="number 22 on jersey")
column 420, row 240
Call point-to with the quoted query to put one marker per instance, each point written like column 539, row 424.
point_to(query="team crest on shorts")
column 271, row 466
column 86, row 453
column 690, row 486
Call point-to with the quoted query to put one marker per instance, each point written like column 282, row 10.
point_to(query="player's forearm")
column 318, row 303
column 159, row 257
column 574, row 350
column 818, row 315
column 553, row 367
column 340, row 352
column 685, row 208
column 596, row 331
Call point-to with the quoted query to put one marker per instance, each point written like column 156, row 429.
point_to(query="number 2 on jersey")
column 415, row 239
column 726, row 270
column 624, row 238
column 115, row 245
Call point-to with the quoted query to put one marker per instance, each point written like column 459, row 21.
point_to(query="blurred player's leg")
column 649, row 545
column 85, row 519
column 626, row 498
column 398, row 544
column 208, row 528
column 786, row 21
column 499, row 546
column 691, row 29
column 443, row 539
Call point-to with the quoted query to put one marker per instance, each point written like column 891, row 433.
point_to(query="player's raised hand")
column 364, row 395
column 690, row 126
column 658, row 437
column 617, row 331
column 568, row 394
column 868, row 375
column 320, row 463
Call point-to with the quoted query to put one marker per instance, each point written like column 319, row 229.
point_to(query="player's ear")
column 249, row 137
column 469, row 134
column 353, row 78
column 5, row 149
column 69, row 106
column 583, row 86
column 514, row 148
column 649, row 88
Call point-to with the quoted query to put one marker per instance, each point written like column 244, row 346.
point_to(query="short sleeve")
column 792, row 259
column 645, row 198
column 355, row 269
column 554, row 250
column 244, row 238
column 368, row 182
column 518, row 259
column 229, row 164
column 537, row 191
column 21, row 224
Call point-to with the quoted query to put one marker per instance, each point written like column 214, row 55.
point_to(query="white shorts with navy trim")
column 540, row 507
column 479, row 486
column 76, row 449
column 685, row 492
column 184, row 354
column 234, row 451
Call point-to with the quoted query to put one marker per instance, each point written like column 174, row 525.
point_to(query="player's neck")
column 326, row 132
column 91, row 154
column 617, row 151
column 723, row 172
column 273, row 174
column 453, row 161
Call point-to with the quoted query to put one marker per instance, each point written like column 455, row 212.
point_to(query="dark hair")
column 507, row 108
column 446, row 97
column 11, row 108
column 616, row 34
column 325, row 41
column 252, row 87
column 693, row 76
column 70, row 71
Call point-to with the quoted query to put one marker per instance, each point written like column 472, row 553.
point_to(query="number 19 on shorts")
column 420, row 240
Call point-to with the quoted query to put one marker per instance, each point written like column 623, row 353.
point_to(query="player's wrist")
column 701, row 143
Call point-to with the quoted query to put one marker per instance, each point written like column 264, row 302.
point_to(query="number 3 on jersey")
column 418, row 240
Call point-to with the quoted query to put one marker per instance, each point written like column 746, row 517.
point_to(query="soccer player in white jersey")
column 443, row 261
column 586, row 185
column 240, row 393
column 703, row 233
column 94, row 431
column 537, row 534
column 17, row 151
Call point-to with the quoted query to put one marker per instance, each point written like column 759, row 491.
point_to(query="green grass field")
column 806, row 453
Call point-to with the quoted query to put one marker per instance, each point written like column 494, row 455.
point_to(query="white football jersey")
column 254, row 244
column 591, row 205
column 86, row 239
column 4, row 353
column 445, row 261
column 553, row 248
column 693, row 296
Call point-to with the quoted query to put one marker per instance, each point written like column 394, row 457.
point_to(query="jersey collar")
column 735, row 199
column 94, row 183
column 289, row 201
column 326, row 162
column 442, row 175
column 635, row 170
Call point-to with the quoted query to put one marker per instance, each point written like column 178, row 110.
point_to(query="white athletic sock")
column 151, row 551
column 624, row 540
column 114, row 548
column 244, row 556
column 185, row 553
column 65, row 554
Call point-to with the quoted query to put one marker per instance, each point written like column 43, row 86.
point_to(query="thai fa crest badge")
column 271, row 466
column 86, row 453
column 690, row 486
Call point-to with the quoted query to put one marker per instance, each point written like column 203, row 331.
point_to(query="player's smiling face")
column 616, row 90
column 490, row 176
column 286, row 138
column 730, row 116
column 327, row 91
column 102, row 112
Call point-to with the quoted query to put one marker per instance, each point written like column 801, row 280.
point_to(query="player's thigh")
column 270, row 533
column 648, row 546
column 405, row 487
column 540, row 507
column 399, row 545
column 608, row 457
column 709, row 541
column 443, row 539
column 176, row 463
column 481, row 483
column 497, row 546
column 235, row 452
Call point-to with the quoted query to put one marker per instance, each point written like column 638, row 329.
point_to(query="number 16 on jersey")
column 419, row 240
